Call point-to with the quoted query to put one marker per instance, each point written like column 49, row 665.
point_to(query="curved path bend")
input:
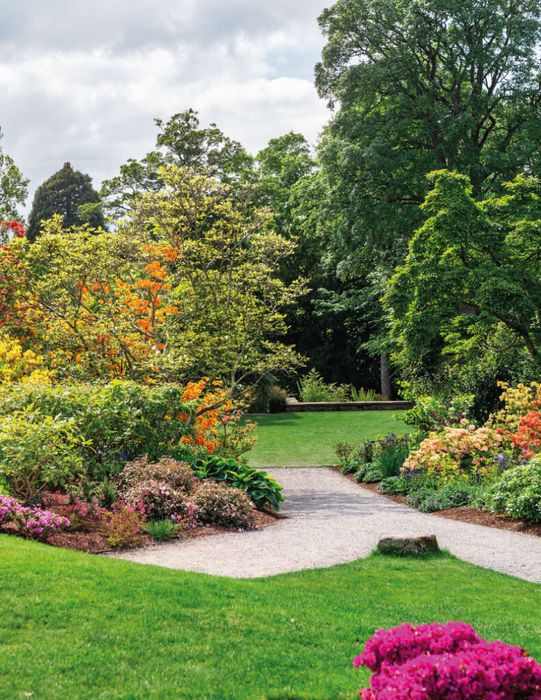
column 330, row 520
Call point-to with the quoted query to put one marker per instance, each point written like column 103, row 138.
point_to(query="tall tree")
column 65, row 193
column 13, row 187
column 472, row 277
column 183, row 142
column 421, row 85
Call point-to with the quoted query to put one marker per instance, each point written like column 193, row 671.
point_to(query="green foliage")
column 517, row 493
column 391, row 455
column 260, row 487
column 181, row 141
column 40, row 451
column 453, row 495
column 312, row 387
column 114, row 422
column 162, row 530
column 366, row 472
column 123, row 526
column 471, row 278
column 432, row 413
column 13, row 187
column 364, row 395
column 64, row 193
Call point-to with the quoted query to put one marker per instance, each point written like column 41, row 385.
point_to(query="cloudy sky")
column 82, row 80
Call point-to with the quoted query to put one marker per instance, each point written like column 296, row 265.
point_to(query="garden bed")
column 475, row 516
column 93, row 542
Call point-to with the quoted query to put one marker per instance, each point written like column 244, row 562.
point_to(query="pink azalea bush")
column 446, row 662
column 32, row 522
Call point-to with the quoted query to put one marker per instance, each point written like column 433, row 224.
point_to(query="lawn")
column 75, row 626
column 309, row 439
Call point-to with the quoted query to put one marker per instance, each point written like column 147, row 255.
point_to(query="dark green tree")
column 420, row 85
column 470, row 287
column 13, row 187
column 68, row 192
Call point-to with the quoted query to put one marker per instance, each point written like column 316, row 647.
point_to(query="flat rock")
column 410, row 545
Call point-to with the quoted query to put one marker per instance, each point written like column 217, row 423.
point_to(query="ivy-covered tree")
column 471, row 283
column 13, row 187
column 67, row 193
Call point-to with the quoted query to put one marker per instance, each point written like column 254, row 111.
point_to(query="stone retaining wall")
column 294, row 406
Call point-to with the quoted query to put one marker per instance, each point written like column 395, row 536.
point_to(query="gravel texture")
column 330, row 520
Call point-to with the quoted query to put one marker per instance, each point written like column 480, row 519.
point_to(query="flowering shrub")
column 456, row 453
column 124, row 525
column 33, row 522
column 517, row 493
column 83, row 515
column 528, row 435
column 224, row 505
column 156, row 499
column 439, row 662
column 19, row 365
column 119, row 421
column 178, row 475
column 517, row 402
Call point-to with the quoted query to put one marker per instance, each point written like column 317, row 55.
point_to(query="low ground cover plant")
column 259, row 486
column 442, row 661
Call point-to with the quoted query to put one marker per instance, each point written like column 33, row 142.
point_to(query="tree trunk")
column 386, row 390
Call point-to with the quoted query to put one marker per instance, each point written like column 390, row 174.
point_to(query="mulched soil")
column 95, row 543
column 466, row 515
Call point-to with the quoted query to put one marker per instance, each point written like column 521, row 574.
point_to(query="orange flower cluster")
column 207, row 420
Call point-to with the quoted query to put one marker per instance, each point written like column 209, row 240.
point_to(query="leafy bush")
column 367, row 472
column 123, row 526
column 450, row 496
column 365, row 395
column 39, row 452
column 260, row 487
column 178, row 475
column 351, row 455
column 113, row 423
column 517, row 492
column 392, row 453
column 162, row 530
column 277, row 400
column 432, row 414
column 155, row 499
column 436, row 661
column 31, row 522
column 313, row 388
column 223, row 505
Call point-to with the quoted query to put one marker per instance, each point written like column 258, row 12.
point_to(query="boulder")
column 408, row 545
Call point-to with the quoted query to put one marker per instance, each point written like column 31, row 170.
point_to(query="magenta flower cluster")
column 33, row 522
column 446, row 662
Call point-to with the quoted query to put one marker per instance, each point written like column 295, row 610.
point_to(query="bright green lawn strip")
column 78, row 627
column 309, row 439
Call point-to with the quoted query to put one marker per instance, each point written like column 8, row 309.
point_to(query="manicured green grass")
column 78, row 627
column 309, row 439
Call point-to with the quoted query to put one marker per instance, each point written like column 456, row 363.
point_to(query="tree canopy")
column 70, row 194
column 472, row 279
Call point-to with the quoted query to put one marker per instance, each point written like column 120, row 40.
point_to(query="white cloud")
column 83, row 81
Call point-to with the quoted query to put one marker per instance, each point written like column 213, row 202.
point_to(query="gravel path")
column 331, row 520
